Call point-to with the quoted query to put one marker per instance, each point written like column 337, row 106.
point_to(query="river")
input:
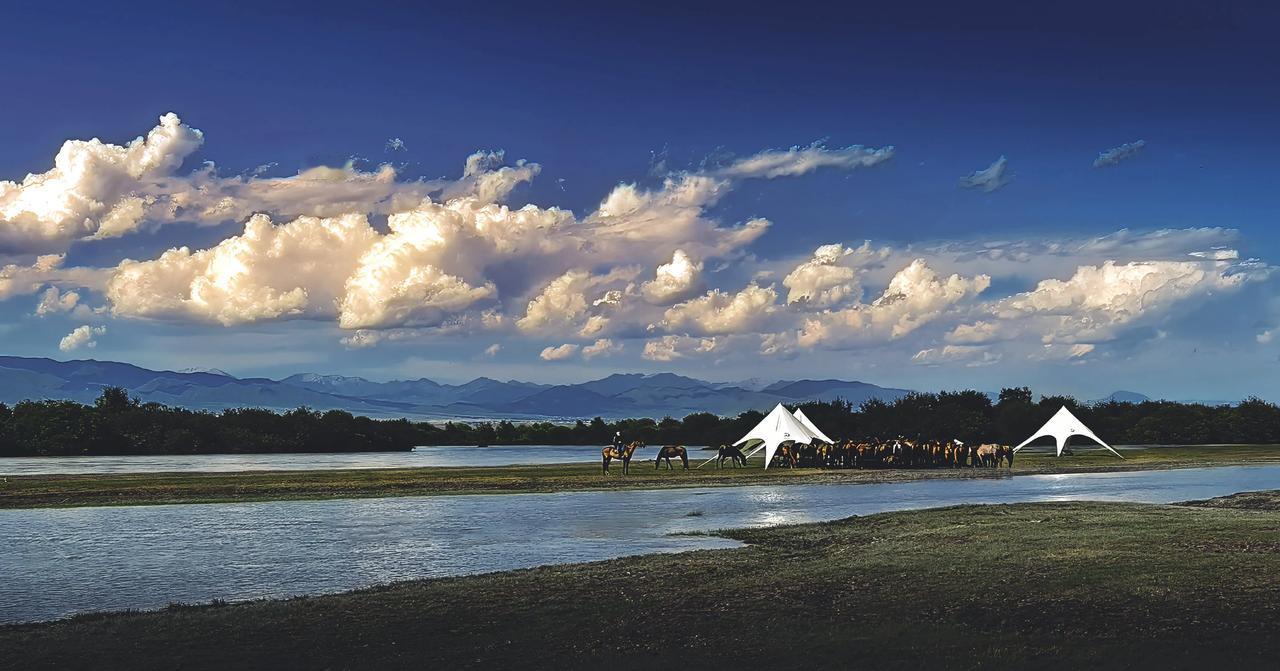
column 60, row 561
column 507, row 455
column 451, row 455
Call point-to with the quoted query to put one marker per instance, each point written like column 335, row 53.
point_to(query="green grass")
column 157, row 488
column 1046, row 586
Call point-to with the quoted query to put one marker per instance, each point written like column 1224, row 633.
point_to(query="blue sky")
column 663, row 94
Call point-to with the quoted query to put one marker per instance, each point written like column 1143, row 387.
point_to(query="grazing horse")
column 668, row 451
column 986, row 455
column 609, row 453
column 732, row 453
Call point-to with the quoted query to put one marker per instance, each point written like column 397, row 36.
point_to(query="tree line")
column 117, row 424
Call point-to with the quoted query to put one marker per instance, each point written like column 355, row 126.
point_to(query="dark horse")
column 668, row 451
column 732, row 453
column 609, row 453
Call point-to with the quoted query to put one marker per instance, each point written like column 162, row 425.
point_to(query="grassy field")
column 156, row 488
column 1052, row 585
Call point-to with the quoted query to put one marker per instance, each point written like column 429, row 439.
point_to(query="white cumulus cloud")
column 53, row 302
column 92, row 186
column 82, row 336
column 601, row 347
column 917, row 295
column 672, row 347
column 831, row 277
column 718, row 312
column 1096, row 301
column 267, row 272
column 968, row 355
column 674, row 281
column 559, row 353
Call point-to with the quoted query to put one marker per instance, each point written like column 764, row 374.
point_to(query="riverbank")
column 37, row 491
column 1047, row 585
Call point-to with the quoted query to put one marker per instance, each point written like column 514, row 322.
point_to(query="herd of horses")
column 896, row 453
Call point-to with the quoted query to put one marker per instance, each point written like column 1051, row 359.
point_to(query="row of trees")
column 119, row 424
column 970, row 416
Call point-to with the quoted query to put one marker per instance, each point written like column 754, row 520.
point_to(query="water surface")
column 56, row 562
column 507, row 455
column 504, row 455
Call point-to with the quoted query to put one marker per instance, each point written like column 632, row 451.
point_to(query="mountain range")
column 616, row 396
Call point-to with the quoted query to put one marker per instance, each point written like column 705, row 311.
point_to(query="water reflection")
column 56, row 562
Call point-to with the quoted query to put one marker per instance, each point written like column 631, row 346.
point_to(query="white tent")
column 812, row 428
column 1062, row 426
column 778, row 427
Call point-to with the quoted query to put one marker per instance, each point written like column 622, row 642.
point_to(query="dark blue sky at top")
column 591, row 91
column 594, row 91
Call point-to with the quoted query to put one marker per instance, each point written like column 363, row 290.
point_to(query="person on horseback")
column 617, row 441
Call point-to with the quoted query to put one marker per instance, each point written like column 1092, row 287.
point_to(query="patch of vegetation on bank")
column 1047, row 585
column 161, row 488
column 1244, row 501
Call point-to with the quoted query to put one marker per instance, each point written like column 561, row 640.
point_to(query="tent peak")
column 778, row 427
column 813, row 428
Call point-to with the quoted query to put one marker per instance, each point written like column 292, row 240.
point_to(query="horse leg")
column 606, row 465
column 685, row 459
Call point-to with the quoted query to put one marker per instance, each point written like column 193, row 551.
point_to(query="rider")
column 617, row 441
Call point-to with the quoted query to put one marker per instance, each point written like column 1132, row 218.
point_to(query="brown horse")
column 609, row 453
column 732, row 453
column 1004, row 453
column 668, row 451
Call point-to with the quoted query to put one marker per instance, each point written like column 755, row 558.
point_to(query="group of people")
column 895, row 453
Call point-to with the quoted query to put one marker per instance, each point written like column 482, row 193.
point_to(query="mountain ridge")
column 614, row 396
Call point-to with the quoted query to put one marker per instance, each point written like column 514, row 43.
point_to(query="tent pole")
column 754, row 451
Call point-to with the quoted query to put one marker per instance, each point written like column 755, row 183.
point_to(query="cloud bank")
column 651, row 271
